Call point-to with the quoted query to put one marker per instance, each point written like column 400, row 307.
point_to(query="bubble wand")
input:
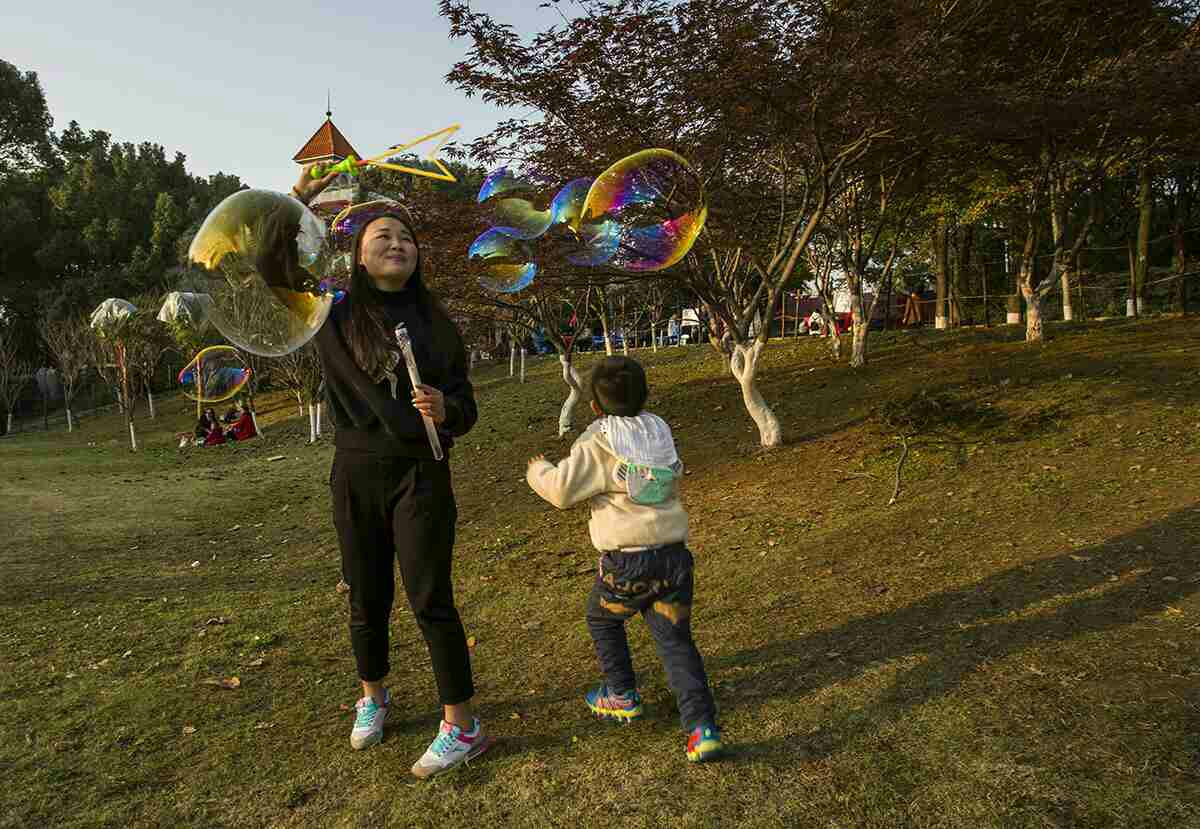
column 352, row 165
column 405, row 343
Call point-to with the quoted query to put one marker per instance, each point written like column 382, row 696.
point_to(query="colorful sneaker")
column 368, row 724
column 704, row 743
column 452, row 747
column 605, row 702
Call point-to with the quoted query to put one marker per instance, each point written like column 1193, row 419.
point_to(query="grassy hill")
column 1014, row 642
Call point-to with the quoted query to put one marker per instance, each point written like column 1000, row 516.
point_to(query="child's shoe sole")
column 614, row 714
column 705, row 751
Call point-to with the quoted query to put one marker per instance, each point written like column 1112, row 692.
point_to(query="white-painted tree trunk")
column 858, row 347
column 1068, row 311
column 70, row 425
column 654, row 337
column 312, row 423
column 474, row 354
column 625, row 345
column 522, row 365
column 939, row 323
column 512, row 360
column 1014, row 318
column 132, row 436
column 318, row 420
column 150, row 403
column 1129, row 309
column 566, row 417
column 743, row 364
column 10, row 424
column 254, row 420
column 300, row 403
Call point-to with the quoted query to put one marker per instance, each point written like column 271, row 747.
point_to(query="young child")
column 625, row 463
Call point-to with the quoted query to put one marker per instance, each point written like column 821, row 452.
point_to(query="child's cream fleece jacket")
column 591, row 472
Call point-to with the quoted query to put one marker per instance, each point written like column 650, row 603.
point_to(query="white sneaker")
column 452, row 747
column 368, row 725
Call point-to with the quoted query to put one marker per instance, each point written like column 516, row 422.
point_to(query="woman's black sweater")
column 365, row 415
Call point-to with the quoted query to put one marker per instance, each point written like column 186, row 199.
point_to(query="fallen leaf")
column 515, row 716
column 1081, row 558
column 229, row 683
column 195, row 564
column 216, row 620
column 255, row 663
column 127, row 654
column 260, row 726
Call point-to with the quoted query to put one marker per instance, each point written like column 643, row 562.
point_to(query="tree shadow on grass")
column 1087, row 591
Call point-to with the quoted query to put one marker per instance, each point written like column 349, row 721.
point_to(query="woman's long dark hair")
column 370, row 339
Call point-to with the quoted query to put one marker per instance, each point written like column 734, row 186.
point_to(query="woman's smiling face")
column 389, row 253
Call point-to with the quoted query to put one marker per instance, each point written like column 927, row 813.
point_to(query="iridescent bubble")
column 215, row 374
column 593, row 244
column 259, row 256
column 567, row 206
column 501, row 181
column 657, row 202
column 519, row 217
column 505, row 263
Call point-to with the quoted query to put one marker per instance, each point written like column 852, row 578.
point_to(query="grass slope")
column 1013, row 643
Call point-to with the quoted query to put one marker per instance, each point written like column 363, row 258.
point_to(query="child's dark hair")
column 619, row 386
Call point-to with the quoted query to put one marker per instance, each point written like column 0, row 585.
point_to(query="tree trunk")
column 940, row 266
column 522, row 364
column 1182, row 208
column 254, row 420
column 512, row 360
column 744, row 366
column 654, row 337
column 1142, row 263
column 150, row 402
column 318, row 420
column 312, row 423
column 566, row 417
column 9, row 431
column 70, row 426
column 625, row 344
column 1033, row 318
column 132, row 435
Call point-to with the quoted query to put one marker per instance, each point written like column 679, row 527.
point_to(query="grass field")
column 1014, row 643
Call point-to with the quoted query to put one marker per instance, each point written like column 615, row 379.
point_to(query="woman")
column 205, row 425
column 243, row 427
column 391, row 499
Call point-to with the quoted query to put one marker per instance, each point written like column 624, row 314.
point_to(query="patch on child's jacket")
column 648, row 485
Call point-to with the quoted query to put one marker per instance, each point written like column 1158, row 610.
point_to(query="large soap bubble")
column 215, row 374
column 505, row 262
column 657, row 202
column 260, row 257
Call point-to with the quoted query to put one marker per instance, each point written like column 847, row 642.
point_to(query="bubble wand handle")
column 405, row 344
column 349, row 164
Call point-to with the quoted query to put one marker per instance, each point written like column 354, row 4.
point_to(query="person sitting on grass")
column 625, row 464
column 243, row 428
column 204, row 425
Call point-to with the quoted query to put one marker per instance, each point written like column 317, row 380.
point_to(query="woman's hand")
column 431, row 403
column 307, row 188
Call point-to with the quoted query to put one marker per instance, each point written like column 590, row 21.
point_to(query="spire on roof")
column 326, row 145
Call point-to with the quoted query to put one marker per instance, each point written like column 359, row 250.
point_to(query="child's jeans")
column 658, row 584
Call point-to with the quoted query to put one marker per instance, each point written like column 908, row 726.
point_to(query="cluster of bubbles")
column 215, row 374
column 641, row 214
column 265, row 272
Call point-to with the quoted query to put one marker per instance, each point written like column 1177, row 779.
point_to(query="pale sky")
column 239, row 87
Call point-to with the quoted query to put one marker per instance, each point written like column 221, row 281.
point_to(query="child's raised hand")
column 535, row 459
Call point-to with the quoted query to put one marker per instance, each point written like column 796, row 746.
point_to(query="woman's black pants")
column 400, row 509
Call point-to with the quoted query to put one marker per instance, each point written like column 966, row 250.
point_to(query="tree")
column 148, row 341
column 15, row 373
column 67, row 341
column 748, row 100
column 24, row 121
column 300, row 372
column 112, row 325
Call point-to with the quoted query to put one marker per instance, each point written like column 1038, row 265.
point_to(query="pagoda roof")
column 326, row 143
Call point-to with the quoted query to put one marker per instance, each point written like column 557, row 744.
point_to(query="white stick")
column 414, row 375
